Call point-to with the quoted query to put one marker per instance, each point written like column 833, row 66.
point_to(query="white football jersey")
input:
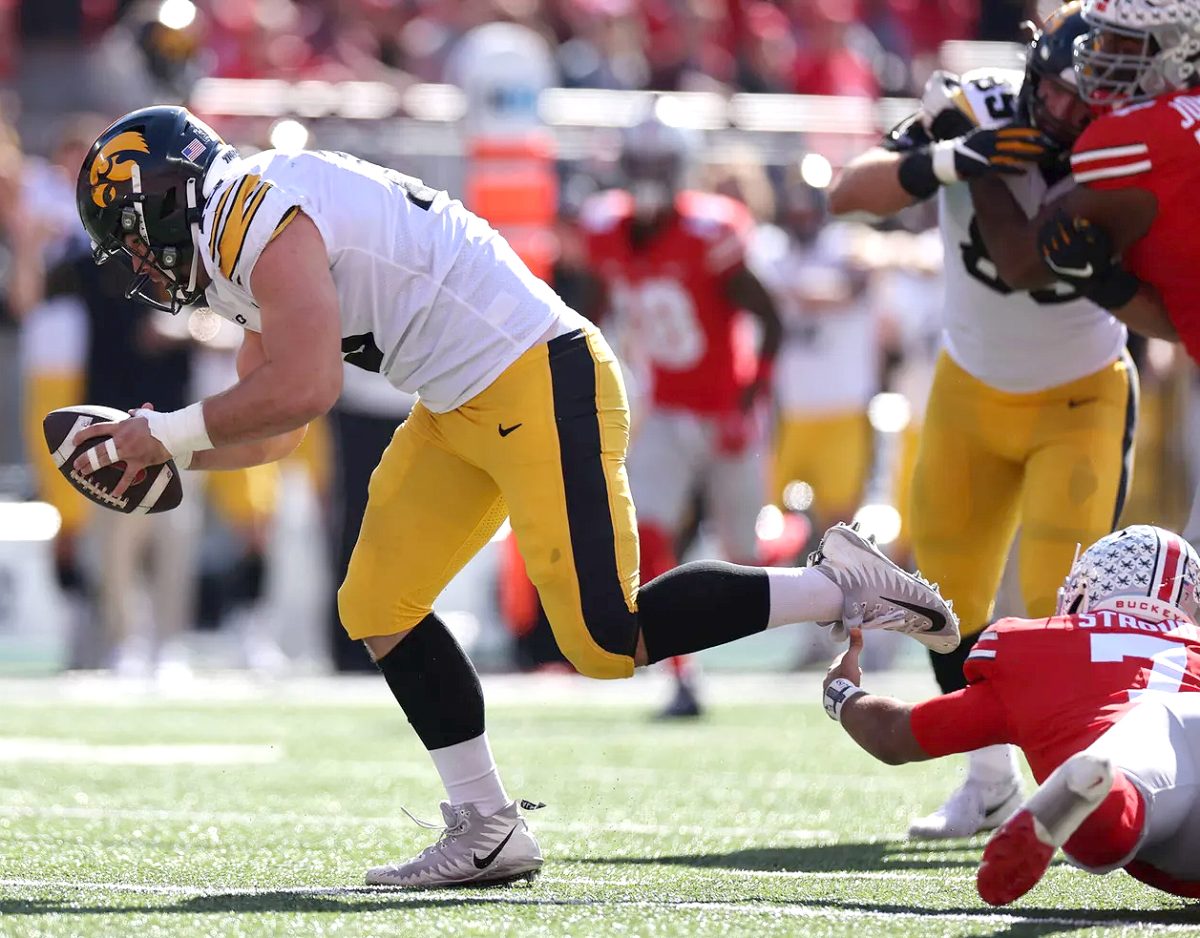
column 430, row 294
column 829, row 360
column 1013, row 340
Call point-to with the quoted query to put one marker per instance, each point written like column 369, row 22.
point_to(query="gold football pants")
column 544, row 443
column 832, row 453
column 1056, row 462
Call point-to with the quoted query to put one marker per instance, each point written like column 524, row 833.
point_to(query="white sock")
column 993, row 766
column 802, row 594
column 469, row 773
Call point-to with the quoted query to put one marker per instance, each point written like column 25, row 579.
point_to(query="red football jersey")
column 1155, row 146
column 669, row 292
column 1053, row 686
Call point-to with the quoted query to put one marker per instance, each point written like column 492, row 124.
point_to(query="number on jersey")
column 662, row 322
column 1169, row 658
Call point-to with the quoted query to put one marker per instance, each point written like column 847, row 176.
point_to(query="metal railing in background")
column 422, row 124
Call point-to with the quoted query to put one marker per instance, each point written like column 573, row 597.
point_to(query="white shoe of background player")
column 1019, row 853
column 880, row 595
column 473, row 850
column 971, row 808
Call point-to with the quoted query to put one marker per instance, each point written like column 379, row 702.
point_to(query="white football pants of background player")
column 677, row 454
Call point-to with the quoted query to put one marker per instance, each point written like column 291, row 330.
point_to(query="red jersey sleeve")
column 1120, row 149
column 960, row 722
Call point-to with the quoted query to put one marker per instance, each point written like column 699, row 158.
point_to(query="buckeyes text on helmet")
column 1149, row 571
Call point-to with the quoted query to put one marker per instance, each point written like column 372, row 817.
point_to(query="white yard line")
column 511, row 898
column 183, row 816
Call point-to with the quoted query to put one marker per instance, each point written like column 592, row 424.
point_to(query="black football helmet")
column 1051, row 55
column 144, row 176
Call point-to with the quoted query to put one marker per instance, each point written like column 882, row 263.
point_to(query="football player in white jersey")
column 1031, row 415
column 323, row 257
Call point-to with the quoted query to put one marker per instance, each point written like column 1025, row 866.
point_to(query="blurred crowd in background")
column 243, row 573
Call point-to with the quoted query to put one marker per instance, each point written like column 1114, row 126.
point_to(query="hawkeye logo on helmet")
column 108, row 168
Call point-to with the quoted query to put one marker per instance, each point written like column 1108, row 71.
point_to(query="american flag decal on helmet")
column 193, row 150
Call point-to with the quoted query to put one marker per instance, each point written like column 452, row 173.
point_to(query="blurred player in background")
column 325, row 258
column 1031, row 415
column 907, row 292
column 672, row 266
column 828, row 367
column 54, row 330
column 1102, row 700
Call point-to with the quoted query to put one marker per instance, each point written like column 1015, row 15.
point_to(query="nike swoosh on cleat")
column 938, row 620
column 491, row 857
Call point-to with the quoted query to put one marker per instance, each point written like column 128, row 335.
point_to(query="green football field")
column 228, row 808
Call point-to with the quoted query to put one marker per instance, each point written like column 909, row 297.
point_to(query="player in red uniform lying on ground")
column 1101, row 698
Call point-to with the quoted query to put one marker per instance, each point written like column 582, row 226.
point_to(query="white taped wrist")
column 181, row 432
column 943, row 163
column 837, row 693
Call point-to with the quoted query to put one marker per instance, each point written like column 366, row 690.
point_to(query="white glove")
column 942, row 111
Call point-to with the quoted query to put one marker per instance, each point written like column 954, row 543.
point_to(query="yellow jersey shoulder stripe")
column 216, row 223
column 230, row 234
column 283, row 222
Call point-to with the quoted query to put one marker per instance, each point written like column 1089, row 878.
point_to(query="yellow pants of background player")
column 832, row 453
column 544, row 443
column 1056, row 462
column 44, row 392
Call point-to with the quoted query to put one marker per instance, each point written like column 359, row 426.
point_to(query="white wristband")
column 943, row 162
column 181, row 432
column 840, row 690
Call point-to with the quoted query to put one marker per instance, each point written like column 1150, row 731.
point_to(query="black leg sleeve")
column 948, row 668
column 700, row 605
column 435, row 684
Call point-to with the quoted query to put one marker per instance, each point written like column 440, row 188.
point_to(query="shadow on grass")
column 1025, row 923
column 809, row 858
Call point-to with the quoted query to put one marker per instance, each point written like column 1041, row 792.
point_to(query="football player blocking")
column 1031, row 413
column 1125, row 235
column 1101, row 698
column 522, row 412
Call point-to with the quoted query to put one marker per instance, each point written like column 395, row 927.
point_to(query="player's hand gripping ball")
column 95, row 466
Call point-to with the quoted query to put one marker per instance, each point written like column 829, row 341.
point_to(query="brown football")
column 158, row 489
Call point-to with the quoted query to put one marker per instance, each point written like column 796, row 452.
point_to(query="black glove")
column 982, row 152
column 1081, row 254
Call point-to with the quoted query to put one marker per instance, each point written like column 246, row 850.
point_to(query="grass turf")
column 255, row 812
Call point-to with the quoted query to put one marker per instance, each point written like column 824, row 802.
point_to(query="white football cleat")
column 971, row 808
column 473, row 850
column 880, row 595
column 1019, row 853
